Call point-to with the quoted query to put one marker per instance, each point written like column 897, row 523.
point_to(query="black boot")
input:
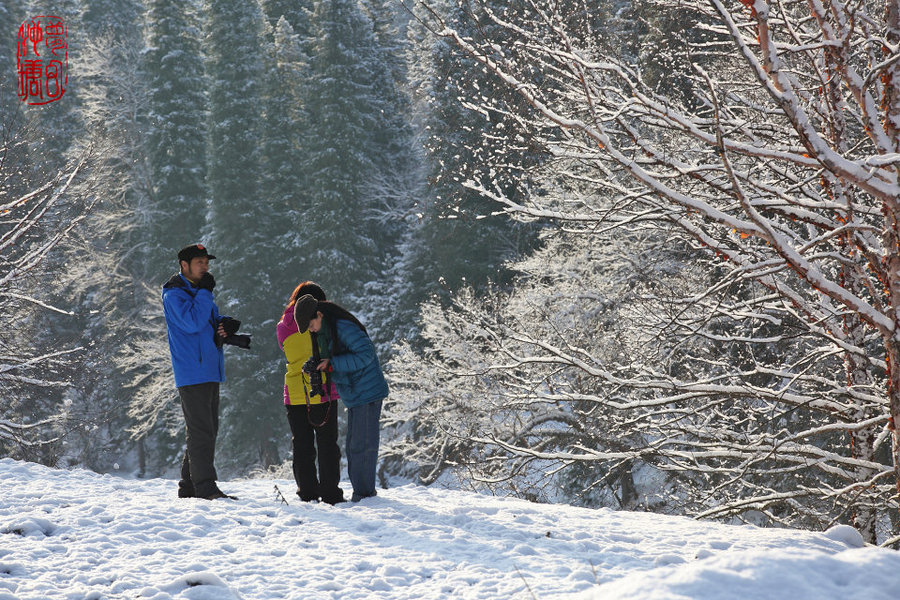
column 216, row 494
column 186, row 489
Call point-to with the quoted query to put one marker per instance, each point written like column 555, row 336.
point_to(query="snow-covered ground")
column 79, row 535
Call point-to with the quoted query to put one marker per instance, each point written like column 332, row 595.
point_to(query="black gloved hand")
column 230, row 325
column 207, row 282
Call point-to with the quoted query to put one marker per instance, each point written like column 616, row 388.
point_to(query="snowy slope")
column 79, row 535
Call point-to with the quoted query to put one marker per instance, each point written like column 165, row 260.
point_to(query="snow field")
column 79, row 535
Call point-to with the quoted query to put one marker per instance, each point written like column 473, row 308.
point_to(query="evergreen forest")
column 298, row 140
column 624, row 253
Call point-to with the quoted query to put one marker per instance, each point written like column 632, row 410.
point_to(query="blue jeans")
column 363, row 434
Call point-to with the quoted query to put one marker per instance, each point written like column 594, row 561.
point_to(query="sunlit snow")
column 75, row 534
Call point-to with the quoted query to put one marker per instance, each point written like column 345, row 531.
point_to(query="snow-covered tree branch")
column 758, row 361
column 36, row 215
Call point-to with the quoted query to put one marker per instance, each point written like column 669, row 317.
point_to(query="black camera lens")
column 241, row 341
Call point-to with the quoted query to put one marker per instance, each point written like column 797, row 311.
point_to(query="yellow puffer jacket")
column 297, row 349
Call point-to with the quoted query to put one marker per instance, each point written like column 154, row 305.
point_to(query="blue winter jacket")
column 357, row 373
column 191, row 319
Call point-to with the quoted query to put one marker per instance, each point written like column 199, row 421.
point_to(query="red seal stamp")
column 42, row 60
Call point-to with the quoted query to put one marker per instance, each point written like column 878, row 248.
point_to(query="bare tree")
column 779, row 168
column 125, row 388
column 37, row 214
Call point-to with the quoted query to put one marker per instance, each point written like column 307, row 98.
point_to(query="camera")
column 315, row 377
column 241, row 341
column 232, row 338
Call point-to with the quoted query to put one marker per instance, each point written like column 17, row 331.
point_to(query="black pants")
column 200, row 404
column 312, row 428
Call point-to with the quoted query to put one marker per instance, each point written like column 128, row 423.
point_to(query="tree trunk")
column 891, row 77
column 891, row 104
column 892, row 348
column 862, row 441
column 142, row 458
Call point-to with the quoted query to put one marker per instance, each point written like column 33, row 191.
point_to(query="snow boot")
column 186, row 489
column 216, row 494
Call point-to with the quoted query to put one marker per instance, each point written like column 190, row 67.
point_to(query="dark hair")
column 333, row 312
column 307, row 287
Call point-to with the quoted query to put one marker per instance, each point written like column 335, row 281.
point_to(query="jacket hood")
column 288, row 317
column 287, row 326
column 174, row 281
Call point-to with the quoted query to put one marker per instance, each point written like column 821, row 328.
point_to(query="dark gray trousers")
column 200, row 404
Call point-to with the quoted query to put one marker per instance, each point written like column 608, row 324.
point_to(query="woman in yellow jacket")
column 312, row 417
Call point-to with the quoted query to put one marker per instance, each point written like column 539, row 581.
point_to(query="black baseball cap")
column 194, row 251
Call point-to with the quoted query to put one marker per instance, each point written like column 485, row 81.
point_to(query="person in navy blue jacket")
column 194, row 324
column 348, row 355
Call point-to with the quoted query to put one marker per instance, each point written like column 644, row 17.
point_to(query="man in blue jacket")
column 193, row 322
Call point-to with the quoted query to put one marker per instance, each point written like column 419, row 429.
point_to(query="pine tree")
column 296, row 12
column 237, row 50
column 458, row 239
column 176, row 142
column 102, row 116
column 340, row 158
column 174, row 215
column 121, row 18
column 285, row 119
column 399, row 180
column 283, row 178
column 236, row 70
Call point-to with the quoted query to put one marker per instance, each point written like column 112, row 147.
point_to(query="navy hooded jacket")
column 191, row 319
